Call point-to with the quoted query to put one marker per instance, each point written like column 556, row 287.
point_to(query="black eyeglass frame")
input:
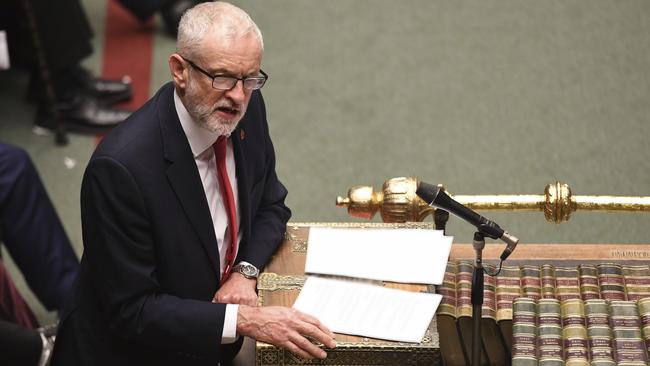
column 261, row 80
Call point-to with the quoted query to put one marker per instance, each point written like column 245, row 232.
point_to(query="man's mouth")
column 228, row 112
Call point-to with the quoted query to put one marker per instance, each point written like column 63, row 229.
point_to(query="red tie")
column 229, row 202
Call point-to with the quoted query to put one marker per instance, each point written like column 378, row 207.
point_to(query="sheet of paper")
column 398, row 255
column 355, row 308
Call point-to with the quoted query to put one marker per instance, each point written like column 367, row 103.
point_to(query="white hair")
column 228, row 21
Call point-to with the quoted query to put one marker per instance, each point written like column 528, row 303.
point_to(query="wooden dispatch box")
column 282, row 279
column 280, row 283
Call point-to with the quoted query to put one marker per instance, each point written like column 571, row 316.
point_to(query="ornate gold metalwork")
column 343, row 356
column 299, row 245
column 557, row 204
column 397, row 202
column 426, row 353
column 272, row 282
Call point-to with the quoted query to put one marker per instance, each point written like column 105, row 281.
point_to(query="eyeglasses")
column 223, row 82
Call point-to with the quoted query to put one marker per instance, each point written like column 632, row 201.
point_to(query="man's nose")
column 237, row 93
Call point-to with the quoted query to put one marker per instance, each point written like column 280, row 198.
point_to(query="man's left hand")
column 237, row 290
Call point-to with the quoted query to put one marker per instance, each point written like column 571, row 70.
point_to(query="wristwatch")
column 246, row 269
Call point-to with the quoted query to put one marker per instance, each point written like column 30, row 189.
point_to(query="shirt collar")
column 200, row 138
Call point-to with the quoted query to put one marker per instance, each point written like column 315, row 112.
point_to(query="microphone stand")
column 440, row 218
column 477, row 298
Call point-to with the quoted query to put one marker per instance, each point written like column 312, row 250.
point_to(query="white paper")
column 367, row 310
column 397, row 255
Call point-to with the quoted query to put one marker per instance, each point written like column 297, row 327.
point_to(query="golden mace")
column 397, row 202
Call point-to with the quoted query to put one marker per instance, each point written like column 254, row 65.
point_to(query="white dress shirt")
column 201, row 141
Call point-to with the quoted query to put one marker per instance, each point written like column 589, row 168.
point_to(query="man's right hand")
column 285, row 327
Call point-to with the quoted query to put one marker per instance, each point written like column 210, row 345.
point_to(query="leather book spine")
column 464, row 289
column 637, row 281
column 567, row 284
column 531, row 282
column 589, row 282
column 599, row 333
column 450, row 347
column 496, row 350
column 625, row 322
column 448, row 291
column 610, row 279
column 574, row 333
column 524, row 332
column 508, row 289
column 464, row 304
column 644, row 313
column 549, row 333
column 489, row 309
column 547, row 272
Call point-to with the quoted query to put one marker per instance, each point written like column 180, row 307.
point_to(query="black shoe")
column 106, row 91
column 83, row 113
column 172, row 11
column 79, row 80
column 109, row 92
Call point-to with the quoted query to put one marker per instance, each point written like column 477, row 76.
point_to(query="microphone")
column 436, row 197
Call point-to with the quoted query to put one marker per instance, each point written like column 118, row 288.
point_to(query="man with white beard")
column 181, row 207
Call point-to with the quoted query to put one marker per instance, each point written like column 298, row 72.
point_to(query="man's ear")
column 179, row 71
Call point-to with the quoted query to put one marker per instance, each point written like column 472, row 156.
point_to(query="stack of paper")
column 397, row 255
column 358, row 308
column 368, row 310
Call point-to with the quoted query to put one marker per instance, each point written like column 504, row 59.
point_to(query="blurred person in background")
column 33, row 235
column 83, row 100
column 170, row 11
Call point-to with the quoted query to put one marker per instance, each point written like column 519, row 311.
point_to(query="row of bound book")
column 596, row 332
column 608, row 281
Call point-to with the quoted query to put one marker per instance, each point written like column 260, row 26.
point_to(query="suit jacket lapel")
column 184, row 178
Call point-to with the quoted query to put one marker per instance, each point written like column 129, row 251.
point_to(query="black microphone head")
column 428, row 192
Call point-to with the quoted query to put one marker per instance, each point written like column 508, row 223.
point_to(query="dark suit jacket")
column 150, row 265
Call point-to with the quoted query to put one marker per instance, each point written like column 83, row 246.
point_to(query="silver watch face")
column 247, row 270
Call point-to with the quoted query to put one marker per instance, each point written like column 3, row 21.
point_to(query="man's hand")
column 286, row 328
column 237, row 290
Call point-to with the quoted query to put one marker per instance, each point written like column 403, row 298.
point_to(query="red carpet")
column 128, row 49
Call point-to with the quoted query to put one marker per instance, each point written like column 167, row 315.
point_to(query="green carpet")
column 485, row 97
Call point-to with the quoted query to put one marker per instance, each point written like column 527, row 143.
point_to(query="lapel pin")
column 242, row 134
